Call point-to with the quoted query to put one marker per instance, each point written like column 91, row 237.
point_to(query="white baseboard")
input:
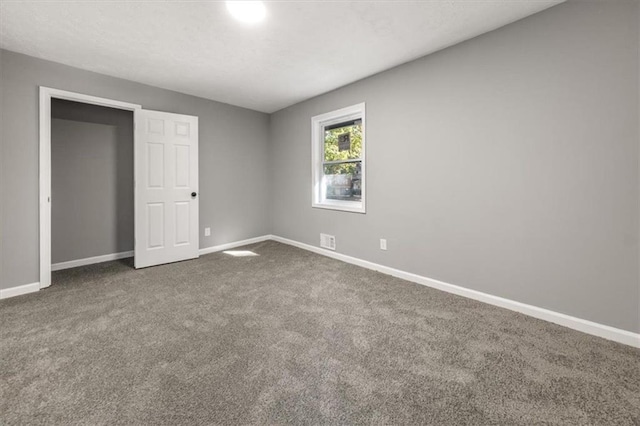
column 90, row 260
column 19, row 290
column 234, row 244
column 585, row 326
column 30, row 288
column 125, row 254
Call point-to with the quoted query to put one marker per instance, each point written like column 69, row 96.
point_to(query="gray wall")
column 91, row 181
column 506, row 164
column 232, row 157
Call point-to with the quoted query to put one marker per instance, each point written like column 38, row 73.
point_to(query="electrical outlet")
column 383, row 244
column 328, row 241
column 207, row 232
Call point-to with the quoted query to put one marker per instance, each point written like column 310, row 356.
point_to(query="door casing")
column 44, row 196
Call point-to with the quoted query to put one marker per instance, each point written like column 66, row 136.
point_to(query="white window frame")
column 318, row 124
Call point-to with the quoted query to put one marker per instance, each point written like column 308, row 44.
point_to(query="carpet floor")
column 292, row 337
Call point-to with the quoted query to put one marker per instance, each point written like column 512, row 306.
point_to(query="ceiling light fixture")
column 247, row 11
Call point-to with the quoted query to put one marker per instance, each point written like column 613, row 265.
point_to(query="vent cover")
column 328, row 241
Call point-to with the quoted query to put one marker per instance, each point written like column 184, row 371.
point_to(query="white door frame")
column 46, row 94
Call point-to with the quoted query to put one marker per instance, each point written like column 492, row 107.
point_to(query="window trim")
column 317, row 158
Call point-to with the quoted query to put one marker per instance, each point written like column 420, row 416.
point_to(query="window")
column 338, row 144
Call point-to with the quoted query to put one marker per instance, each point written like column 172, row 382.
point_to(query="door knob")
column 193, row 194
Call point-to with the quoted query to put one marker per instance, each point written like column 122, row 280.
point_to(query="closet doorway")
column 122, row 181
column 92, row 212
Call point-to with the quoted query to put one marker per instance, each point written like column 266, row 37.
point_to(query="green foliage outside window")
column 332, row 151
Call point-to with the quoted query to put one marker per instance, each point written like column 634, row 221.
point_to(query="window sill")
column 345, row 206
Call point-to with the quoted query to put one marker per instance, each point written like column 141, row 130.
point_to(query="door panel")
column 182, row 223
column 155, row 219
column 166, row 170
column 182, row 166
column 155, row 163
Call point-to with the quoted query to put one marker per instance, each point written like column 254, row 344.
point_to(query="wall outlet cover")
column 383, row 244
column 207, row 232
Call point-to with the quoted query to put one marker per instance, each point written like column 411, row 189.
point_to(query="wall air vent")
column 328, row 241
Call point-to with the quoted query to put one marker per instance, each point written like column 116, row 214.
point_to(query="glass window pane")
column 343, row 141
column 343, row 181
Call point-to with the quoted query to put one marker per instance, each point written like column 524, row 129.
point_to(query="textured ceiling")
column 302, row 49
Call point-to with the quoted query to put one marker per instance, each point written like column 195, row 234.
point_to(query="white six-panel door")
column 166, row 188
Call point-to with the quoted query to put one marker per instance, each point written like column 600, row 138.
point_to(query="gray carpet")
column 291, row 337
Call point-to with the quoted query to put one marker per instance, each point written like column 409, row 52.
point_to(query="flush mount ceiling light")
column 247, row 11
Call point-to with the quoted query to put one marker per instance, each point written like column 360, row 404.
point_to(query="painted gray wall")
column 91, row 181
column 232, row 157
column 506, row 164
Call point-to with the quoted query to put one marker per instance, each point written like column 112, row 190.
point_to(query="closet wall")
column 91, row 181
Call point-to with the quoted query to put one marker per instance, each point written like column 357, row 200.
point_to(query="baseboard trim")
column 579, row 324
column 125, row 254
column 90, row 260
column 585, row 326
column 19, row 290
column 30, row 288
column 234, row 244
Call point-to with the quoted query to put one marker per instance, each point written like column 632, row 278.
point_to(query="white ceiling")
column 302, row 49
